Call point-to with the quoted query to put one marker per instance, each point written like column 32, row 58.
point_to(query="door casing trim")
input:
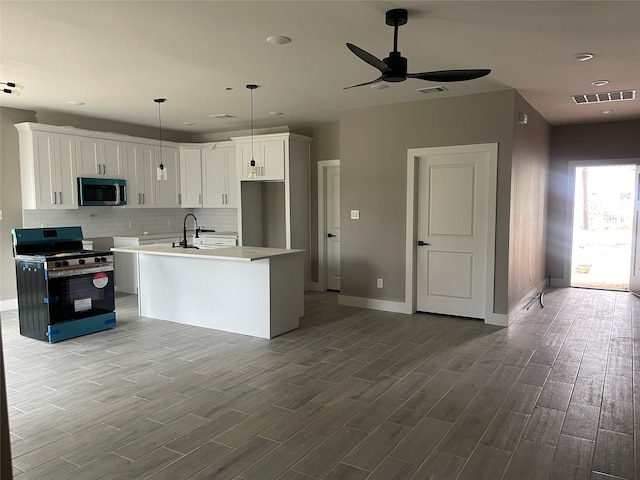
column 413, row 154
column 321, row 284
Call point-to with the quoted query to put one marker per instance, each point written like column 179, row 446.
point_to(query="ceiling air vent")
column 616, row 96
column 437, row 89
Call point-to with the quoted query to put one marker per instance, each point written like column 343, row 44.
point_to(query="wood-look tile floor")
column 353, row 394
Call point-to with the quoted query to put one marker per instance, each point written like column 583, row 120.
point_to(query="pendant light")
column 253, row 170
column 161, row 170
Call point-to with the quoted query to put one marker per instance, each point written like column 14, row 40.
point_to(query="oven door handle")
column 117, row 187
column 73, row 272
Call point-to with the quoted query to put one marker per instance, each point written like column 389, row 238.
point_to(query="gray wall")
column 373, row 177
column 528, row 208
column 607, row 143
column 10, row 194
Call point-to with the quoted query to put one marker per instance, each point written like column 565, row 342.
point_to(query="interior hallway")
column 352, row 394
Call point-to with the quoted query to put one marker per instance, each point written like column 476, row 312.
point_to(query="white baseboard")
column 374, row 304
column 11, row 304
column 498, row 319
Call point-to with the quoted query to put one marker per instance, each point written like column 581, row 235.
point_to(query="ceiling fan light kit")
column 394, row 67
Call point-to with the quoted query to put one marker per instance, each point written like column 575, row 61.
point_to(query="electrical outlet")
column 355, row 214
column 379, row 283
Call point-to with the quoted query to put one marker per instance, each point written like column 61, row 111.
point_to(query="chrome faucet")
column 184, row 230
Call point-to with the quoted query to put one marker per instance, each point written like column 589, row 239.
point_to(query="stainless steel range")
column 64, row 291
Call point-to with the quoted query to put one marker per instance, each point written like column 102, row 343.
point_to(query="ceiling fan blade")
column 367, row 57
column 379, row 79
column 451, row 75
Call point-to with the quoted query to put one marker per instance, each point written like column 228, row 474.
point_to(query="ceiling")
column 117, row 56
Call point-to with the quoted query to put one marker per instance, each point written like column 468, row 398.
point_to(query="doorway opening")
column 602, row 226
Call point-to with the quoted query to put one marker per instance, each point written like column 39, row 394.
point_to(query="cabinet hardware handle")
column 226, row 198
column 55, row 198
column 179, row 199
column 104, row 168
column 199, row 199
column 60, row 197
column 262, row 171
column 143, row 199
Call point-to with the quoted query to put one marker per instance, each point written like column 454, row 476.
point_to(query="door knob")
column 422, row 244
column 330, row 235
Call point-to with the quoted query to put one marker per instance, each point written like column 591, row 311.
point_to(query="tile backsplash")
column 114, row 221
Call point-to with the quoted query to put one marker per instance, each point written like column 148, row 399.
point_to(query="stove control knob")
column 97, row 260
column 65, row 263
column 58, row 264
column 103, row 259
column 81, row 261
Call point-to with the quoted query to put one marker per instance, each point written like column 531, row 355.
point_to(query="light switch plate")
column 355, row 214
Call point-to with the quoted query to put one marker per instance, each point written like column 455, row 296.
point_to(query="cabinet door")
column 232, row 178
column 46, row 183
column 191, row 177
column 111, row 157
column 272, row 154
column 168, row 191
column 88, row 156
column 214, row 177
column 67, row 174
column 140, row 184
column 243, row 155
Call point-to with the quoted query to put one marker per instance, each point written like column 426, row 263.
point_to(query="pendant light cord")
column 252, row 155
column 159, row 101
column 251, row 88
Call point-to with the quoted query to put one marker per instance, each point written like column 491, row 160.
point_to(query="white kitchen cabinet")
column 169, row 192
column 99, row 157
column 47, row 168
column 139, row 173
column 219, row 176
column 274, row 211
column 270, row 153
column 191, row 176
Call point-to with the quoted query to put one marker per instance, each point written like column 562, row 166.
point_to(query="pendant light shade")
column 253, row 170
column 161, row 170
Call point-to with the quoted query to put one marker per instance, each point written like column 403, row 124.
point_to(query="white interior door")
column 634, row 278
column 453, row 212
column 333, row 228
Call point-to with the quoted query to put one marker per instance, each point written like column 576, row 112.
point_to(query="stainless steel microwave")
column 94, row 192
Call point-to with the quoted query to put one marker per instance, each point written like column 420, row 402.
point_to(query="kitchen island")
column 248, row 290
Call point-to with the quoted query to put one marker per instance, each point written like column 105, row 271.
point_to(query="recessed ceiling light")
column 278, row 40
column 222, row 116
column 599, row 83
column 276, row 114
column 606, row 112
column 379, row 86
column 583, row 57
column 76, row 103
column 188, row 123
column 228, row 89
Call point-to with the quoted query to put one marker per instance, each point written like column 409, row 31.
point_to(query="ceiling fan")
column 394, row 67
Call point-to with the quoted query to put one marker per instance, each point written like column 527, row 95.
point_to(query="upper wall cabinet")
column 191, row 176
column 208, row 175
column 270, row 153
column 99, row 158
column 47, row 168
column 219, row 176
column 52, row 157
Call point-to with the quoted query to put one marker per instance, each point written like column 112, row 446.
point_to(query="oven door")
column 80, row 293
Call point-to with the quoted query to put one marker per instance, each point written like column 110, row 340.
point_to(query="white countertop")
column 246, row 254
